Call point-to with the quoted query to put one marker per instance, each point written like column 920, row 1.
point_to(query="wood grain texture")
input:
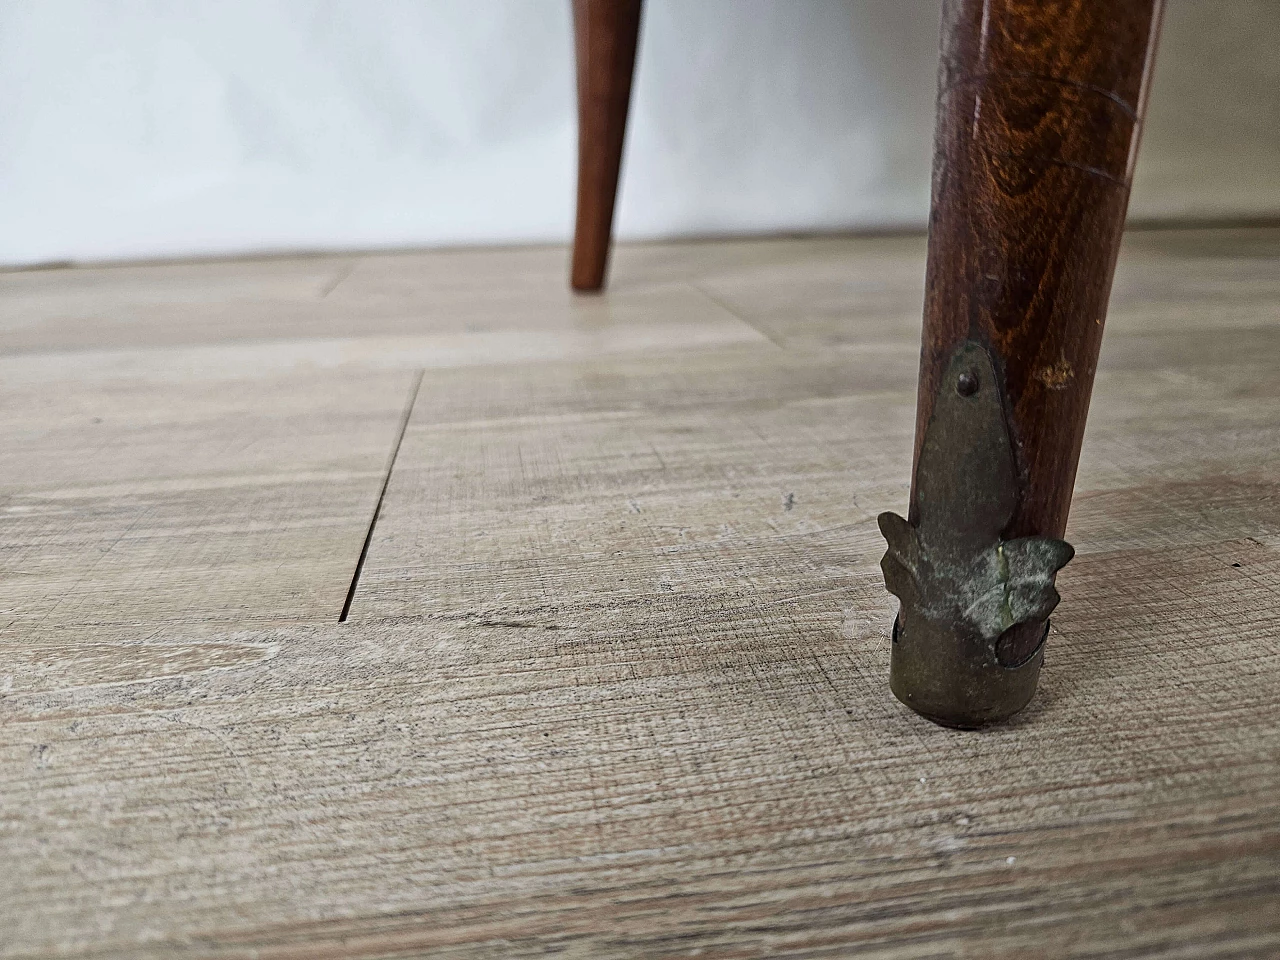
column 1039, row 113
column 615, row 682
column 182, row 495
column 454, row 305
column 1040, row 108
column 726, row 777
column 605, row 36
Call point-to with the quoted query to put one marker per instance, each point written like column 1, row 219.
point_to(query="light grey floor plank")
column 615, row 678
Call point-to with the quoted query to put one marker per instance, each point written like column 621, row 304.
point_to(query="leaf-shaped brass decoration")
column 958, row 581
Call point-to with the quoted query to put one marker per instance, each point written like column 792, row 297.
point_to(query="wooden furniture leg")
column 605, row 33
column 1039, row 112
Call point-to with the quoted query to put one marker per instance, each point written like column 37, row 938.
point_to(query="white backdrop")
column 135, row 128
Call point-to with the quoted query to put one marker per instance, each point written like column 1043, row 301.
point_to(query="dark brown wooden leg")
column 1039, row 111
column 605, row 33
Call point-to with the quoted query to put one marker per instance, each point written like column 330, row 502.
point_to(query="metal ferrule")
column 970, row 599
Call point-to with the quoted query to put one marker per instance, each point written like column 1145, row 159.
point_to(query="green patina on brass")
column 961, row 586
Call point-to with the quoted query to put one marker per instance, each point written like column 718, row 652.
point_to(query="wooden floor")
column 613, row 681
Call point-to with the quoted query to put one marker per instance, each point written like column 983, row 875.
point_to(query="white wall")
column 133, row 128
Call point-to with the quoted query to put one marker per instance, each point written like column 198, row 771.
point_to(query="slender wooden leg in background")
column 605, row 33
column 1039, row 113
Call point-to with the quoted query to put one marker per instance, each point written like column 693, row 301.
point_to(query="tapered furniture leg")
column 1040, row 104
column 605, row 33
